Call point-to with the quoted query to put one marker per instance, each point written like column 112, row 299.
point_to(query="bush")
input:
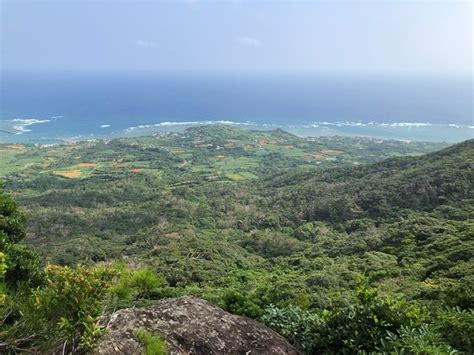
column 22, row 266
column 133, row 285
column 357, row 327
column 360, row 326
column 236, row 302
column 300, row 327
column 420, row 340
column 461, row 295
column 3, row 268
column 456, row 326
column 68, row 307
column 146, row 283
column 153, row 344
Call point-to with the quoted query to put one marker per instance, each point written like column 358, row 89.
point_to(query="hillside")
column 302, row 234
column 443, row 180
column 91, row 200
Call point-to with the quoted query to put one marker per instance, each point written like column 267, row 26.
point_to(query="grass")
column 153, row 344
column 244, row 175
column 86, row 165
column 331, row 152
column 231, row 163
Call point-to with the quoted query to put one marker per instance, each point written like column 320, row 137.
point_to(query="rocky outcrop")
column 189, row 326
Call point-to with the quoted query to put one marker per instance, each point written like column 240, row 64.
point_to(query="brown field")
column 135, row 171
column 265, row 142
column 331, row 151
column 85, row 165
column 71, row 174
column 13, row 147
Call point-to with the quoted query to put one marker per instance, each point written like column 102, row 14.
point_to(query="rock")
column 189, row 326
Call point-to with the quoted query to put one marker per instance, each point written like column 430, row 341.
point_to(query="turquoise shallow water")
column 400, row 131
column 50, row 107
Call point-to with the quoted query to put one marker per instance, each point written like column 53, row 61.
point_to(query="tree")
column 21, row 265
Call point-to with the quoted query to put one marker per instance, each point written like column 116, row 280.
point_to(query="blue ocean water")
column 39, row 107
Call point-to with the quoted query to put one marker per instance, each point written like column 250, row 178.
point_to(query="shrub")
column 22, row 265
column 236, row 302
column 420, row 340
column 133, row 285
column 300, row 327
column 146, row 283
column 456, row 326
column 153, row 344
column 68, row 307
column 461, row 295
column 357, row 327
column 3, row 268
column 361, row 325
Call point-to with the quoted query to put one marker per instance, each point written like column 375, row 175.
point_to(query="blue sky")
column 235, row 36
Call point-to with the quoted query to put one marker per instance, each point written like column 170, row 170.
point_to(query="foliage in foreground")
column 64, row 311
column 371, row 324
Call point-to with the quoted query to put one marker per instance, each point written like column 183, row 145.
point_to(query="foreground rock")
column 190, row 326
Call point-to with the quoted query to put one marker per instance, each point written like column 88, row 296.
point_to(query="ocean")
column 51, row 107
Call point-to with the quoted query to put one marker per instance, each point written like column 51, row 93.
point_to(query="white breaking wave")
column 105, row 126
column 335, row 125
column 363, row 124
column 190, row 123
column 186, row 123
column 19, row 124
column 410, row 124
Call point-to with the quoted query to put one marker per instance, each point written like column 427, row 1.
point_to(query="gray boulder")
column 189, row 326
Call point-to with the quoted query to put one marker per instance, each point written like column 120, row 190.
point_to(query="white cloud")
column 249, row 42
column 145, row 44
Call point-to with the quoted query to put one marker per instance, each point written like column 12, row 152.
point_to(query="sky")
column 236, row 36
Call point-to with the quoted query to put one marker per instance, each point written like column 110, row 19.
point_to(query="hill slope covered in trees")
column 326, row 240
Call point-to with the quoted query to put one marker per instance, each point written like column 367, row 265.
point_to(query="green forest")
column 342, row 245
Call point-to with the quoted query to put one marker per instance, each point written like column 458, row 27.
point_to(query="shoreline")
column 303, row 131
column 16, row 131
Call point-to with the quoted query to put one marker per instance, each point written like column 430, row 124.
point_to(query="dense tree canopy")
column 339, row 249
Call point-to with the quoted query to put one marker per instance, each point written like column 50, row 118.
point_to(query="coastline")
column 42, row 131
